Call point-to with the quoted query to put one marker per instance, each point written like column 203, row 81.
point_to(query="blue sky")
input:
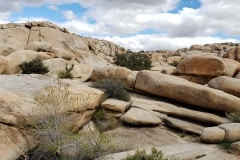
column 136, row 24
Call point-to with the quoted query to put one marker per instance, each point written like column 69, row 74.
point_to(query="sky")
column 135, row 24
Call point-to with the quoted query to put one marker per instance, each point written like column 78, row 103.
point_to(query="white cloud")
column 69, row 15
column 53, row 7
column 83, row 28
column 28, row 19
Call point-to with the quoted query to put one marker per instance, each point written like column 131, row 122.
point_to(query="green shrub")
column 174, row 63
column 66, row 73
column 142, row 155
column 134, row 61
column 113, row 89
column 234, row 116
column 225, row 145
column 104, row 121
column 34, row 66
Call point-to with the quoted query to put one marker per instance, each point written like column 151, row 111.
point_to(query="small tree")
column 134, row 61
column 34, row 66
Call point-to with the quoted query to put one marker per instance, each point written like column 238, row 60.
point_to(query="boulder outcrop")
column 184, row 91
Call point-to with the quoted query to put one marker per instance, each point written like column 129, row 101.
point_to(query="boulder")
column 183, row 125
column 115, row 105
column 60, row 53
column 131, row 79
column 57, row 65
column 78, row 120
column 181, row 90
column 232, row 131
column 212, row 135
column 5, row 50
column 233, row 53
column 14, row 109
column 207, row 66
column 3, row 64
column 39, row 46
column 18, row 57
column 138, row 116
column 16, row 37
column 13, row 143
column 235, row 148
column 82, row 71
column 112, row 72
column 196, row 79
column 88, row 98
column 226, row 84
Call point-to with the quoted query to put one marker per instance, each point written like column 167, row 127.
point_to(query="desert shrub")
column 225, row 145
column 66, row 73
column 112, row 88
column 34, row 66
column 53, row 129
column 104, row 121
column 164, row 71
column 234, row 116
column 174, row 63
column 133, row 60
column 142, row 155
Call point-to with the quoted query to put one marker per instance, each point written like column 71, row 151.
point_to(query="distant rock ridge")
column 18, row 36
column 33, row 24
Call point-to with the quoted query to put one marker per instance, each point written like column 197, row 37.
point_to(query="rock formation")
column 190, row 90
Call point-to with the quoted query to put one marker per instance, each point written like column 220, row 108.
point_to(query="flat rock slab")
column 138, row 116
column 179, row 110
column 129, row 138
column 181, row 90
column 26, row 85
column 182, row 151
column 183, row 125
column 115, row 105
